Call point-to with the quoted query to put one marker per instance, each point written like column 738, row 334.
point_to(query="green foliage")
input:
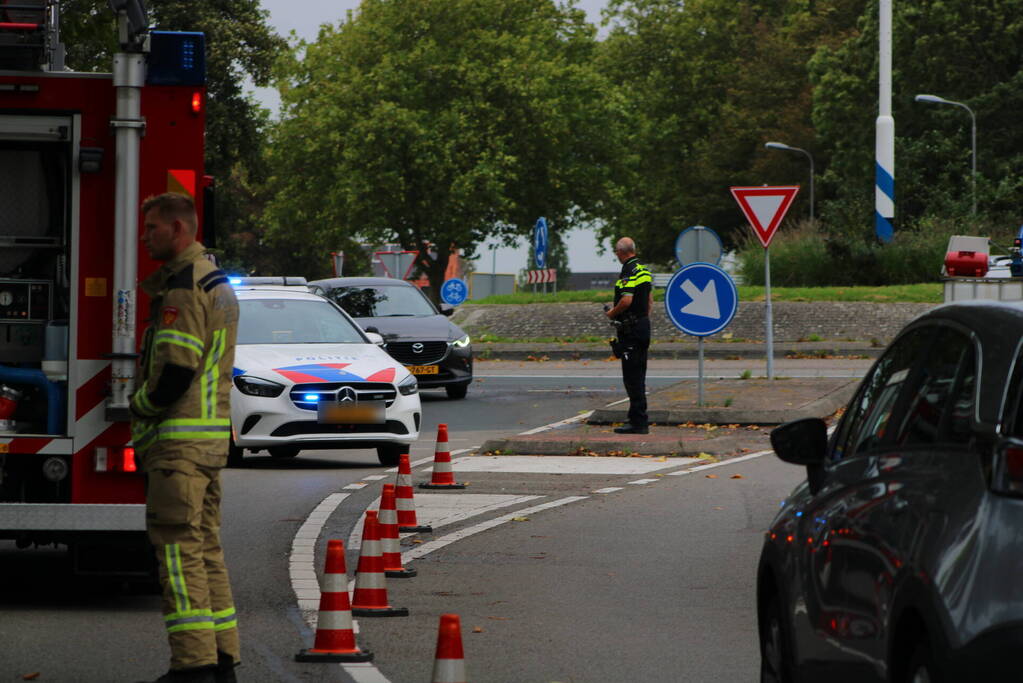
column 445, row 121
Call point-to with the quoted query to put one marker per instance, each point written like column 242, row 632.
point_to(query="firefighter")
column 631, row 311
column 181, row 429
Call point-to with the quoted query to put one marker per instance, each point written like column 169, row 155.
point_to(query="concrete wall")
column 792, row 321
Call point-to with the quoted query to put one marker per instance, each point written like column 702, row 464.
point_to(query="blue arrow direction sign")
column 454, row 291
column 701, row 299
column 540, row 242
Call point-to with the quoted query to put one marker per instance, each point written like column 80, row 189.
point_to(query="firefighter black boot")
column 225, row 668
column 199, row 674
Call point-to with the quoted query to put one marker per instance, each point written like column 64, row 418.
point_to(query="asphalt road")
column 646, row 582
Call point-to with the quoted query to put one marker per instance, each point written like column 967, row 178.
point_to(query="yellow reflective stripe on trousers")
column 211, row 375
column 179, row 338
column 195, row 428
column 176, row 578
column 225, row 619
column 190, row 620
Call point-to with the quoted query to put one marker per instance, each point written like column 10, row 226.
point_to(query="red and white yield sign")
column 765, row 207
column 537, row 276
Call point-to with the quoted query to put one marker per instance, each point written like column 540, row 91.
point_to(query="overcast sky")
column 304, row 18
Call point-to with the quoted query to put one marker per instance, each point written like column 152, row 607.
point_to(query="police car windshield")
column 291, row 321
column 382, row 302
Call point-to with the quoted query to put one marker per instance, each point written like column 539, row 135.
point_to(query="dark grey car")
column 901, row 556
column 417, row 335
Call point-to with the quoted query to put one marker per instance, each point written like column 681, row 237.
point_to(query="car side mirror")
column 375, row 338
column 447, row 309
column 801, row 442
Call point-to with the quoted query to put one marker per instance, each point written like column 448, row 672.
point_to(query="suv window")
column 939, row 408
column 1013, row 417
column 866, row 424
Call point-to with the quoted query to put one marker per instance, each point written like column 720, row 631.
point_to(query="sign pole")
column 699, row 385
column 767, row 311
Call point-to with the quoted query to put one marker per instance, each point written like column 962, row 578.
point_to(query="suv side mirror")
column 801, row 442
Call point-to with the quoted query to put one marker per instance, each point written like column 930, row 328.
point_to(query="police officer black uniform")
column 632, row 302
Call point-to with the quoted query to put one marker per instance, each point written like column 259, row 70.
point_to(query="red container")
column 966, row 263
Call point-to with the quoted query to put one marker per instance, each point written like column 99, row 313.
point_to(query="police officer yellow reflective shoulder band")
column 191, row 620
column 211, row 375
column 225, row 619
column 188, row 341
column 195, row 428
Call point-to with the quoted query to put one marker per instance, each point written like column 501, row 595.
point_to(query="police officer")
column 181, row 427
column 631, row 309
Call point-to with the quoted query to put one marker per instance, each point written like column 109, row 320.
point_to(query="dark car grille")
column 405, row 353
column 305, row 427
column 364, row 391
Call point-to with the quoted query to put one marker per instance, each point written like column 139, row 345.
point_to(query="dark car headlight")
column 461, row 343
column 408, row 386
column 253, row 386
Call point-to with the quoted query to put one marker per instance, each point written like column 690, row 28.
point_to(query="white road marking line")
column 568, row 391
column 615, row 403
column 547, row 427
column 301, row 567
column 355, row 486
column 640, row 482
column 365, row 673
column 609, row 489
column 430, row 546
column 374, row 477
column 718, row 464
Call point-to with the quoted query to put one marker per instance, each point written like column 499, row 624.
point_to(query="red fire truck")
column 77, row 152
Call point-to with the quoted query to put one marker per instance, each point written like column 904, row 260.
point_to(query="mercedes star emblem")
column 346, row 394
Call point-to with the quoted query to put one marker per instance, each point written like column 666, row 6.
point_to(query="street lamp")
column 934, row 99
column 783, row 146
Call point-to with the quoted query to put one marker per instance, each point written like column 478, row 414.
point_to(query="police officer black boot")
column 198, row 674
column 225, row 668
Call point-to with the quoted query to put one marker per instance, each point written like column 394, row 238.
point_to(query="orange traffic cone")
column 388, row 518
column 449, row 663
column 443, row 475
column 335, row 638
column 405, row 500
column 370, row 597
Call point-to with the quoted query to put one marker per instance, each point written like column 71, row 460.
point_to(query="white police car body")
column 307, row 377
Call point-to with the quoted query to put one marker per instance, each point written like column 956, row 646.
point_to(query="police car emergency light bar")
column 278, row 280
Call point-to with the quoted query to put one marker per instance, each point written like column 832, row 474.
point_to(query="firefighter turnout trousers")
column 183, row 518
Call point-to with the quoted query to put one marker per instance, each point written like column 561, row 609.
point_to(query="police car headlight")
column 408, row 386
column 461, row 343
column 253, row 386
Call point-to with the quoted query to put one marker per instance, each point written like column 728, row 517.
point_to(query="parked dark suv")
column 416, row 334
column 900, row 558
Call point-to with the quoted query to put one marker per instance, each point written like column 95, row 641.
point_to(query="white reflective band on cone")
column 334, row 621
column 334, row 583
column 449, row 671
column 374, row 580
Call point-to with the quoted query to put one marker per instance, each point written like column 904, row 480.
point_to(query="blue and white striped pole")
column 884, row 168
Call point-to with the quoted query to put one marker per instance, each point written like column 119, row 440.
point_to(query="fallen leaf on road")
column 31, row 676
column 736, row 476
column 706, row 456
column 416, row 540
column 477, row 629
column 520, row 519
column 663, row 458
column 711, row 476
column 500, row 618
column 719, row 508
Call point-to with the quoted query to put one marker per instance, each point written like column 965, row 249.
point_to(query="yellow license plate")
column 5, row 448
column 371, row 412
column 424, row 369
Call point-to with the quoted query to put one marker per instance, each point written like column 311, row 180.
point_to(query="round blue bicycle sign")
column 454, row 291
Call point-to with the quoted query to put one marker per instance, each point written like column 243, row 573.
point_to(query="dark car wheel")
column 921, row 667
column 774, row 648
column 283, row 451
column 457, row 390
column 390, row 454
column 234, row 454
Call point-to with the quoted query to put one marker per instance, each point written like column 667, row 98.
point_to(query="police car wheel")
column 390, row 454
column 283, row 451
column 457, row 390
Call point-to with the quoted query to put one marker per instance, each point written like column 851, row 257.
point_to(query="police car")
column 307, row 377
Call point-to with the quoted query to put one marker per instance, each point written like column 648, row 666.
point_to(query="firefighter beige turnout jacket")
column 182, row 402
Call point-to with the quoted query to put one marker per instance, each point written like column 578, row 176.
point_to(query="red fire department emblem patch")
column 169, row 315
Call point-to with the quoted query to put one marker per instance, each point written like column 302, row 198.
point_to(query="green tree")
column 239, row 43
column 445, row 121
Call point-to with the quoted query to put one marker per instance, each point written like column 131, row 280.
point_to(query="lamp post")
column 934, row 99
column 788, row 148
